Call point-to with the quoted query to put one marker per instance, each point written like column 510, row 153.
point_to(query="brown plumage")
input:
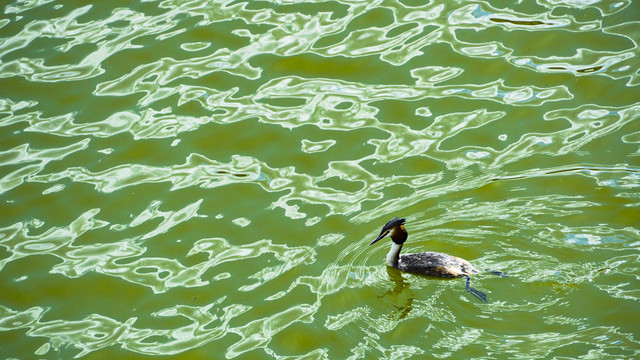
column 435, row 264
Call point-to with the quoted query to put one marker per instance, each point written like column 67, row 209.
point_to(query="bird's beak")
column 379, row 237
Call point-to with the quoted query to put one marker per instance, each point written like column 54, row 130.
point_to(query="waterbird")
column 425, row 263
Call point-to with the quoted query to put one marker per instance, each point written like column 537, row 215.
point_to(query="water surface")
column 201, row 179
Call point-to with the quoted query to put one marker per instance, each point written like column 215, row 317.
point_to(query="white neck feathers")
column 394, row 255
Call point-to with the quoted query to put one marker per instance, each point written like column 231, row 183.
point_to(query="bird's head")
column 395, row 229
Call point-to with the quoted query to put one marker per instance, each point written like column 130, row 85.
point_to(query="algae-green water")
column 202, row 179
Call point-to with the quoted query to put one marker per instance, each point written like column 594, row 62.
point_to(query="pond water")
column 202, row 179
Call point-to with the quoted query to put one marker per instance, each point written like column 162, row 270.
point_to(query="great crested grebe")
column 425, row 263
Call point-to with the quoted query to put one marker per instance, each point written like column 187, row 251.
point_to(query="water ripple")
column 204, row 177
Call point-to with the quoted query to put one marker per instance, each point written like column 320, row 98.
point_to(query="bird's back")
column 435, row 264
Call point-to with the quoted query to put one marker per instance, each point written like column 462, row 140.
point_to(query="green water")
column 201, row 179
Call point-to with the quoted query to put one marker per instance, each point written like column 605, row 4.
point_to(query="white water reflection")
column 284, row 132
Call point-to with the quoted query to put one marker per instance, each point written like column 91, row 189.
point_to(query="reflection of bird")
column 401, row 292
column 425, row 263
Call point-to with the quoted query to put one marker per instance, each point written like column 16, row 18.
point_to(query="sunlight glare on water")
column 201, row 179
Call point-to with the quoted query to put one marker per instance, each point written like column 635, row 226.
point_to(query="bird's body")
column 426, row 263
column 435, row 264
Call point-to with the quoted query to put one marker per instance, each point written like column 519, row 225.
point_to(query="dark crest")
column 393, row 223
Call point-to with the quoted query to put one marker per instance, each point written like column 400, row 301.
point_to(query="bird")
column 432, row 264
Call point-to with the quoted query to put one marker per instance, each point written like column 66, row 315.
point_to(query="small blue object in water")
column 590, row 239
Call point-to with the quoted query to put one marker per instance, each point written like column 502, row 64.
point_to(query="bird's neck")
column 393, row 257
